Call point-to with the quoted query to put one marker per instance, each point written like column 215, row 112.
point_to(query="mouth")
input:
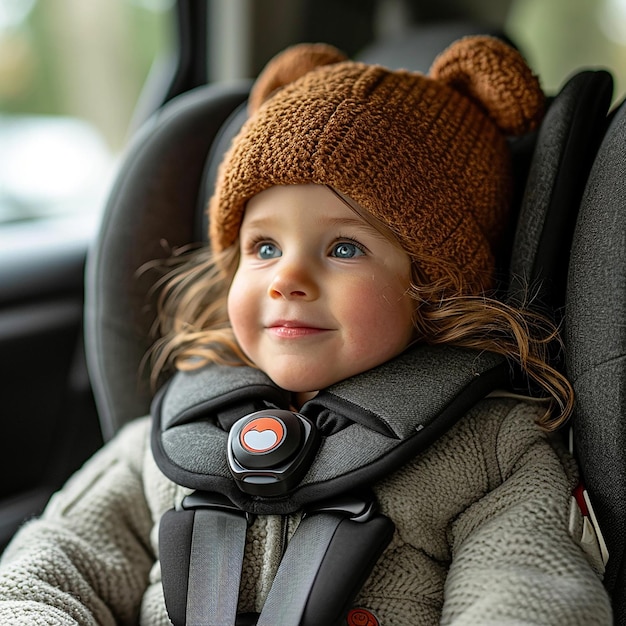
column 290, row 329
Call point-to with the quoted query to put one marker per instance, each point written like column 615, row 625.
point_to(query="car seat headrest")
column 565, row 148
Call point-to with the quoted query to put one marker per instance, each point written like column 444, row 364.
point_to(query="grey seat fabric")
column 152, row 208
column 565, row 148
column 570, row 245
column 596, row 346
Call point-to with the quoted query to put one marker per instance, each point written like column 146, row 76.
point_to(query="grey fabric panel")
column 597, row 277
column 347, row 450
column 222, row 142
column 404, row 401
column 540, row 185
column 154, row 200
column 566, row 144
column 189, row 389
column 596, row 341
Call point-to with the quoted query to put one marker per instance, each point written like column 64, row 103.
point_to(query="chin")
column 306, row 384
column 299, row 385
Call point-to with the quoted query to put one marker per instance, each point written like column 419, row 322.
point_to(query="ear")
column 290, row 65
column 496, row 76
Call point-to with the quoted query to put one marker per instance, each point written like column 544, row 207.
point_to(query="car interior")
column 76, row 315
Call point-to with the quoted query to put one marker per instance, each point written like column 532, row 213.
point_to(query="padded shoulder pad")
column 370, row 424
column 217, row 390
column 409, row 392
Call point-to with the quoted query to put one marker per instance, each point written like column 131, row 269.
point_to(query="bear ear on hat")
column 288, row 66
column 496, row 76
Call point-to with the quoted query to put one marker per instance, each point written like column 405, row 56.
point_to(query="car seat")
column 567, row 142
column 596, row 345
column 157, row 204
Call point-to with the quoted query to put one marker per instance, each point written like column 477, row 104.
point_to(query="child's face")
column 319, row 294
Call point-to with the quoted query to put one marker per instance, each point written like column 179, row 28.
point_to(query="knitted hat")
column 426, row 155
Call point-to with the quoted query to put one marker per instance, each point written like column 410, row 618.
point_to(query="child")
column 357, row 215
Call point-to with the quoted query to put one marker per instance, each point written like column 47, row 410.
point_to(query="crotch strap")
column 331, row 554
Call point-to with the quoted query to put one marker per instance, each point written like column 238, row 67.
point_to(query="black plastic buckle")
column 356, row 507
column 270, row 451
column 213, row 501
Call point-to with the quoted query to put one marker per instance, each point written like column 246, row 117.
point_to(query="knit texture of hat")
column 424, row 154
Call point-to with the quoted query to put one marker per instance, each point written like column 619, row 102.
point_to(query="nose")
column 294, row 280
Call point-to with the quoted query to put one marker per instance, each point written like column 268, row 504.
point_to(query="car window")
column 561, row 37
column 70, row 76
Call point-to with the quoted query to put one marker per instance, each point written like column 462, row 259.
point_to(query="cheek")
column 241, row 311
column 379, row 319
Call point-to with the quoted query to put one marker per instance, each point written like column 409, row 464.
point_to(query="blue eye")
column 346, row 250
column 268, row 251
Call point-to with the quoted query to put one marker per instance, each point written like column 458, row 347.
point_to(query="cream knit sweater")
column 481, row 538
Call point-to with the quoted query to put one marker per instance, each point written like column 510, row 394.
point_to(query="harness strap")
column 213, row 575
column 369, row 425
column 326, row 562
column 202, row 551
column 296, row 575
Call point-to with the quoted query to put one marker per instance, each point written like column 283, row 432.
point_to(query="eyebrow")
column 357, row 222
column 349, row 221
column 259, row 222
